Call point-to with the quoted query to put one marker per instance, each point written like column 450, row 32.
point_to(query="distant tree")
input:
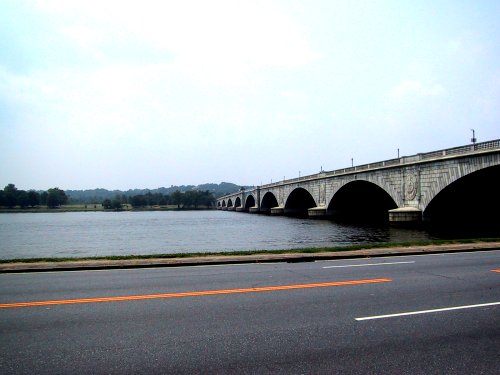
column 106, row 204
column 177, row 198
column 116, row 204
column 149, row 199
column 10, row 196
column 56, row 197
column 22, row 199
column 207, row 198
column 33, row 198
column 43, row 198
column 138, row 201
column 189, row 199
column 163, row 200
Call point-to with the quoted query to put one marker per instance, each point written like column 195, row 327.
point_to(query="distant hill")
column 98, row 195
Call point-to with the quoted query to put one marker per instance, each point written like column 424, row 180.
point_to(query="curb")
column 242, row 259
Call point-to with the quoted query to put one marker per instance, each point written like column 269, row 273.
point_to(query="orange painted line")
column 191, row 294
column 495, row 271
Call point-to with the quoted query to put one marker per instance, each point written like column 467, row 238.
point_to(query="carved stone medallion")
column 411, row 186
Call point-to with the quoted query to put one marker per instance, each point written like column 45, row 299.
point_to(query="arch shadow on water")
column 362, row 203
column 268, row 201
column 298, row 203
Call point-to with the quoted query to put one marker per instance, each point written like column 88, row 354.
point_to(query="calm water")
column 76, row 234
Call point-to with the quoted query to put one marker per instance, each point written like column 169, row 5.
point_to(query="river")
column 82, row 234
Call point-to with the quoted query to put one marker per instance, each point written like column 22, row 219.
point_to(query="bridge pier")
column 276, row 211
column 241, row 209
column 405, row 216
column 254, row 210
column 317, row 212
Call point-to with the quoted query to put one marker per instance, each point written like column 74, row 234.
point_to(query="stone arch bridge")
column 461, row 182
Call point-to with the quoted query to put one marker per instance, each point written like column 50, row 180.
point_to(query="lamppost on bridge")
column 473, row 140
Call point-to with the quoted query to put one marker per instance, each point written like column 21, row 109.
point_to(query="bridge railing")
column 483, row 146
column 490, row 145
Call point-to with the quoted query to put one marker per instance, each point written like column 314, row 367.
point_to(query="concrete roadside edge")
column 79, row 265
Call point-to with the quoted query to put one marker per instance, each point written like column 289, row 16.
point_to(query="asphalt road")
column 294, row 318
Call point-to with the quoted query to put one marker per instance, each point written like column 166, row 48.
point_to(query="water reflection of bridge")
column 461, row 182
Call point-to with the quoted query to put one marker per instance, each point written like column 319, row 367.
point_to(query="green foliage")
column 189, row 199
column 56, row 197
column 43, row 198
column 114, row 204
column 106, row 204
column 138, row 201
column 22, row 199
column 33, row 198
column 11, row 197
column 94, row 196
column 176, row 198
column 10, row 193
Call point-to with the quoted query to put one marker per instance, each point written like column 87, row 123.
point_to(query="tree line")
column 96, row 196
column 11, row 197
column 187, row 199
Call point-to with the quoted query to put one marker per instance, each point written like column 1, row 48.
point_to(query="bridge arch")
column 471, row 201
column 237, row 202
column 224, row 203
column 229, row 202
column 250, row 201
column 268, row 201
column 361, row 201
column 298, row 202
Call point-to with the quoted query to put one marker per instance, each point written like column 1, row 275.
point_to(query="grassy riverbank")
column 64, row 208
column 95, row 208
column 255, row 252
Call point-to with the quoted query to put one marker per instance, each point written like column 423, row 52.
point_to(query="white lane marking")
column 423, row 255
column 428, row 311
column 369, row 264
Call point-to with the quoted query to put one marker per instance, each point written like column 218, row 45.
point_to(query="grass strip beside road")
column 252, row 252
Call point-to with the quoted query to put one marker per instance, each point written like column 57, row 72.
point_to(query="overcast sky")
column 144, row 94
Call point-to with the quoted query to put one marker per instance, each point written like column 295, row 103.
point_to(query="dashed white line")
column 369, row 264
column 428, row 311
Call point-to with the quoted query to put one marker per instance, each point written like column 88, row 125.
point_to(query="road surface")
column 395, row 315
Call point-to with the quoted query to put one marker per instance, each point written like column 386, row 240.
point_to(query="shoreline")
column 45, row 210
column 261, row 256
